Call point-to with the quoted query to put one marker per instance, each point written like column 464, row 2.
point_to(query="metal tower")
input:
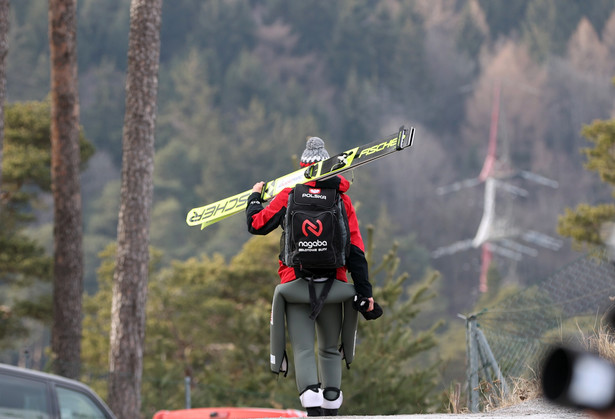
column 497, row 233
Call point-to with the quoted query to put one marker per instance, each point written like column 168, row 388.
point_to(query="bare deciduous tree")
column 587, row 53
column 65, row 162
column 131, row 272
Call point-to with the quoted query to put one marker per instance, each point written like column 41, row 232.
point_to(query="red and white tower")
column 496, row 233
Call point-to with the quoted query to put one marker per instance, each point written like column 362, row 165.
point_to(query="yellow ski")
column 212, row 213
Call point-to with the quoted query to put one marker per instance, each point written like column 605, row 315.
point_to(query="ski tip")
column 189, row 219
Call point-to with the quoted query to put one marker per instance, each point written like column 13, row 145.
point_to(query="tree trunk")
column 130, row 278
column 65, row 161
column 4, row 49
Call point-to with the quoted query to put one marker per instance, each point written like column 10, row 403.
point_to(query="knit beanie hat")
column 314, row 152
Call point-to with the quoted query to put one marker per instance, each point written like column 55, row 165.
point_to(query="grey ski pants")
column 301, row 331
column 291, row 305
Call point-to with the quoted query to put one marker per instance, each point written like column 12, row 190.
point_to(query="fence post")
column 482, row 341
column 478, row 349
column 472, row 368
column 187, row 387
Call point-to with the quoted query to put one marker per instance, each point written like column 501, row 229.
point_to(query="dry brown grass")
column 600, row 339
column 519, row 390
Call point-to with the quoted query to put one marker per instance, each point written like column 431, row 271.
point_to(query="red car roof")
column 229, row 413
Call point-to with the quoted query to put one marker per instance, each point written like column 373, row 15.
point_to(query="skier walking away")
column 314, row 295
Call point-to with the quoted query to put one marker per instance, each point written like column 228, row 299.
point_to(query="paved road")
column 535, row 409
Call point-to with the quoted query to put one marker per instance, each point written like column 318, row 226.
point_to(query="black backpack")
column 316, row 233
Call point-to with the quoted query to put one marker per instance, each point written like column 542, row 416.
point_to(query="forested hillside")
column 243, row 83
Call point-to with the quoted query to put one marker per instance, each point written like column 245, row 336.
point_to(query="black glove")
column 361, row 304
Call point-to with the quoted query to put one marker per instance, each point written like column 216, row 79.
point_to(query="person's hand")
column 371, row 311
column 258, row 187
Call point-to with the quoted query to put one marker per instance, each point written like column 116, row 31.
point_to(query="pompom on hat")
column 314, row 152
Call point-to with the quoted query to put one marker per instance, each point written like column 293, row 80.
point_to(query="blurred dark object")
column 580, row 379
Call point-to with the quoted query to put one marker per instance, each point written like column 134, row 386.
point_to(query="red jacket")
column 263, row 220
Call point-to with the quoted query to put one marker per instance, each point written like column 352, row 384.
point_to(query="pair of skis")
column 212, row 213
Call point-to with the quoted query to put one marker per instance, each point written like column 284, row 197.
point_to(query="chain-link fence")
column 521, row 328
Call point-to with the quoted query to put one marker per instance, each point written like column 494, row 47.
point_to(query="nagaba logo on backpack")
column 316, row 233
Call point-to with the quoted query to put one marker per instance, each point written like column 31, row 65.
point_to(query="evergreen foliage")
column 396, row 369
column 25, row 268
column 243, row 83
column 588, row 224
column 241, row 86
column 205, row 318
column 209, row 319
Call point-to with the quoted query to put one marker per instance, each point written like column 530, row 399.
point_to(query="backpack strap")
column 318, row 302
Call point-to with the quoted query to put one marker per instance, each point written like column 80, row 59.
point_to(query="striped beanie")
column 314, row 152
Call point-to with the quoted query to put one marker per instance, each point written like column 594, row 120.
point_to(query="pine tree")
column 393, row 371
column 209, row 319
column 588, row 224
column 25, row 269
column 127, row 337
column 66, row 187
